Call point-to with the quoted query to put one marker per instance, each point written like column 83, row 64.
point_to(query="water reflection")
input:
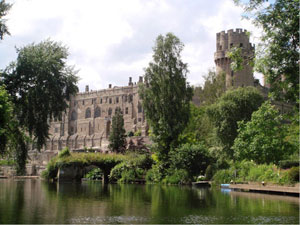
column 31, row 201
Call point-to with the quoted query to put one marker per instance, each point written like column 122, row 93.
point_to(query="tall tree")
column 117, row 137
column 278, row 54
column 40, row 83
column 166, row 94
column 235, row 105
column 6, row 109
column 4, row 8
column 262, row 139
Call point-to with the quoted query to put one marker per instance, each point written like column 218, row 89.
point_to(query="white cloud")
column 112, row 40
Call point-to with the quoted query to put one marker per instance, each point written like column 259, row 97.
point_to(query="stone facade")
column 224, row 42
column 87, row 121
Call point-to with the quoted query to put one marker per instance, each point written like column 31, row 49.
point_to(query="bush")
column 209, row 172
column 116, row 172
column 138, row 133
column 7, row 162
column 293, row 174
column 95, row 174
column 64, row 153
column 223, row 176
column 154, row 175
column 286, row 164
column 180, row 176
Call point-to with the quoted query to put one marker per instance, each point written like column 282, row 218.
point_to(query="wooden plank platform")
column 272, row 189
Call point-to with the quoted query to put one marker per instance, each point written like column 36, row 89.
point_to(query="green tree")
column 6, row 109
column 213, row 88
column 166, row 94
column 117, row 137
column 235, row 105
column 4, row 8
column 278, row 54
column 39, row 83
column 262, row 139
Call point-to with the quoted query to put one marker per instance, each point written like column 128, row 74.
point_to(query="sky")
column 112, row 40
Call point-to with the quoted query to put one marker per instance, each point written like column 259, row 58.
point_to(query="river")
column 35, row 201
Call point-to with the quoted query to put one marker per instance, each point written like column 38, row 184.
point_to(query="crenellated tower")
column 226, row 41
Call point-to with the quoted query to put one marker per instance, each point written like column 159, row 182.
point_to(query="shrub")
column 209, row 172
column 293, row 174
column 154, row 175
column 7, row 162
column 285, row 164
column 180, row 176
column 95, row 174
column 116, row 172
column 223, row 176
column 138, row 133
column 64, row 153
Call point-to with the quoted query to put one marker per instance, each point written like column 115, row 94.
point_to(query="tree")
column 213, row 88
column 262, row 139
column 117, row 137
column 235, row 105
column 278, row 57
column 39, row 83
column 4, row 8
column 6, row 109
column 166, row 94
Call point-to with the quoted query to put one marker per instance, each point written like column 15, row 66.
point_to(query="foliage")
column 64, row 153
column 138, row 133
column 117, row 137
column 235, row 105
column 178, row 176
column 193, row 158
column 7, row 162
column 209, row 172
column 154, row 175
column 40, row 83
column 214, row 87
column 6, row 109
column 104, row 161
column 278, row 57
column 166, row 94
column 248, row 171
column 262, row 138
column 288, row 163
column 4, row 8
column 293, row 174
column 94, row 174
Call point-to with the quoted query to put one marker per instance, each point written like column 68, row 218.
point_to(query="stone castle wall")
column 87, row 121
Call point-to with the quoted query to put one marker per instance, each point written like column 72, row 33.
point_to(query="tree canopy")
column 166, row 94
column 235, row 105
column 117, row 136
column 278, row 54
column 262, row 139
column 39, row 83
column 4, row 8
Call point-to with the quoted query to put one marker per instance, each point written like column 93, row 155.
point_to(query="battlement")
column 237, row 31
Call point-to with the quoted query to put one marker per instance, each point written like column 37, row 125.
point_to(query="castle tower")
column 226, row 41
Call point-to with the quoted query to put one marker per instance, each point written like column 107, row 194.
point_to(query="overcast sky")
column 111, row 40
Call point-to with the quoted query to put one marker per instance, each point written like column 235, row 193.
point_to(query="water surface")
column 35, row 201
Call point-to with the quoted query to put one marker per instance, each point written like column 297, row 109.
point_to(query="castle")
column 86, row 123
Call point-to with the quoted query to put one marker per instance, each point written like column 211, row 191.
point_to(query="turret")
column 226, row 41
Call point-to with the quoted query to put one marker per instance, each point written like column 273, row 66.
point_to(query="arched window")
column 88, row 113
column 73, row 115
column 118, row 109
column 109, row 111
column 97, row 112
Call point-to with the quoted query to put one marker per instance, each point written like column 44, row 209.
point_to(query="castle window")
column 118, row 109
column 73, row 115
column 232, row 73
column 82, row 102
column 241, row 45
column 220, row 47
column 110, row 101
column 109, row 111
column 232, row 82
column 140, row 119
column 130, row 98
column 56, row 130
column 88, row 113
column 72, row 130
column 231, row 45
column 74, row 103
column 125, row 98
column 140, row 109
column 92, row 101
column 117, row 99
column 126, row 110
column 100, row 100
column 97, row 112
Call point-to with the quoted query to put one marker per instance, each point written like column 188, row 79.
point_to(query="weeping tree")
column 4, row 8
column 39, row 83
column 166, row 94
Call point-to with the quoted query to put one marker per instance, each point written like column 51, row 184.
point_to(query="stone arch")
column 88, row 113
column 73, row 115
column 97, row 112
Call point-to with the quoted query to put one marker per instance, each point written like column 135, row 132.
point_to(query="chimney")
column 140, row 79
column 87, row 88
column 109, row 86
column 130, row 81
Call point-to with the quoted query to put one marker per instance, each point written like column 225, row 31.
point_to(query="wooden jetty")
column 270, row 189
